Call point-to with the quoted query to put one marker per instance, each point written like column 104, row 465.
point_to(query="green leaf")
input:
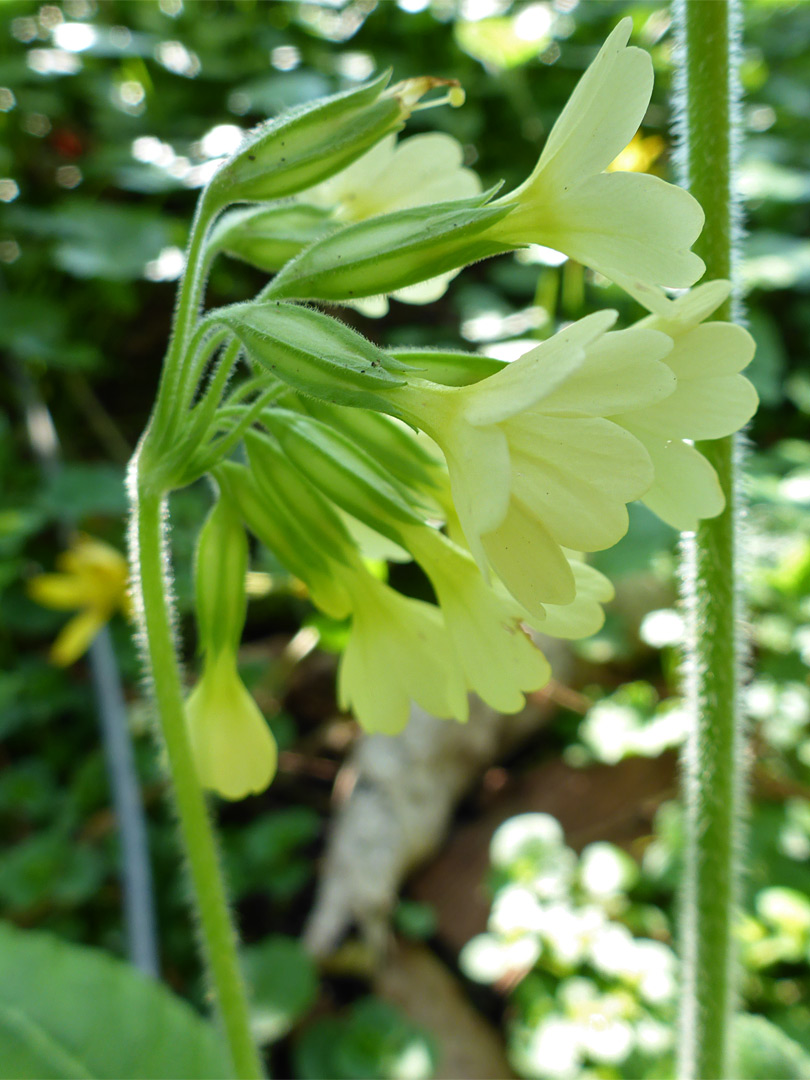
column 99, row 240
column 71, row 1012
column 765, row 1052
column 284, row 984
column 79, row 490
column 375, row 1041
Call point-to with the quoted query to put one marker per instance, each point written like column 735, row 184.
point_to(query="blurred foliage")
column 111, row 116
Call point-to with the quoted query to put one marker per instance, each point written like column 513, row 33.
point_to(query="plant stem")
column 217, row 932
column 188, row 303
column 713, row 760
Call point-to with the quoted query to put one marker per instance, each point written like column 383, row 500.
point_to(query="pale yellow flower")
column 534, row 465
column 234, row 750
column 398, row 652
column 396, row 176
column 92, row 579
column 712, row 400
column 630, row 226
column 499, row 660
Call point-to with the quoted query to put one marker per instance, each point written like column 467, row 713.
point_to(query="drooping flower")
column 93, row 579
column 632, row 227
column 712, row 400
column 498, row 658
column 398, row 651
column 233, row 749
column 533, row 463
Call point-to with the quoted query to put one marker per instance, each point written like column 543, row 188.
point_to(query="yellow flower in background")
column 639, row 155
column 92, row 580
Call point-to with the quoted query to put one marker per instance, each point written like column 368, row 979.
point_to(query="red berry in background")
column 67, row 143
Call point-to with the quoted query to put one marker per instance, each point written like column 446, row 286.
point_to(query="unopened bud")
column 304, row 146
column 219, row 579
column 392, row 251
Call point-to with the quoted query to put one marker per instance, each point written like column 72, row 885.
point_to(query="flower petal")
column 622, row 371
column 64, row 592
column 577, row 475
column 234, row 750
column 584, row 615
column 603, row 113
column 75, row 637
column 686, row 488
column 711, row 400
column 478, row 463
column 398, row 652
column 499, row 660
column 628, row 226
column 528, row 560
column 536, row 374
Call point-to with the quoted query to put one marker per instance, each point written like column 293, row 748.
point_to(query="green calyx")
column 313, row 353
column 392, row 251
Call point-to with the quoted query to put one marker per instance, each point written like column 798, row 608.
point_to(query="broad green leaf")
column 69, row 1012
column 284, row 984
column 765, row 1052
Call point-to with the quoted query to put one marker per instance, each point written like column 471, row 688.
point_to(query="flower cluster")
column 494, row 478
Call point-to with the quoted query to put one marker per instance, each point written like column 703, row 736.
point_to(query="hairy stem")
column 216, row 930
column 713, row 765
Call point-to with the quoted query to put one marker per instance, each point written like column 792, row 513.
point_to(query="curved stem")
column 713, row 761
column 189, row 298
column 217, row 932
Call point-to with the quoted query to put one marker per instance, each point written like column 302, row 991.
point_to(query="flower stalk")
column 713, row 761
column 216, row 929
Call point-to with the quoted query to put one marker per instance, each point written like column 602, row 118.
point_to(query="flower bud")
column 234, row 751
column 304, row 146
column 269, row 236
column 314, row 354
column 393, row 251
column 351, row 477
column 219, row 579
column 448, row 368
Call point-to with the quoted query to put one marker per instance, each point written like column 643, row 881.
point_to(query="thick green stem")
column 217, row 932
column 713, row 763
